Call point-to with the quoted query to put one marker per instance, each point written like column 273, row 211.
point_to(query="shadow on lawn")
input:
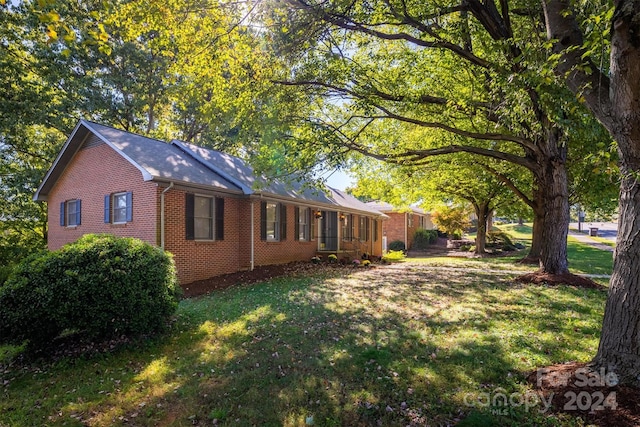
column 378, row 347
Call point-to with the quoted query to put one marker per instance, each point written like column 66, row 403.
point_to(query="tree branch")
column 592, row 86
column 346, row 23
column 509, row 183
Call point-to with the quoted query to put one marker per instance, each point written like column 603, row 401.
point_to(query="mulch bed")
column 258, row 274
column 575, row 390
column 539, row 278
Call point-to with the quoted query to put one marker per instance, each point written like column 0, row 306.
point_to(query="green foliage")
column 499, row 238
column 394, row 256
column 451, row 220
column 423, row 238
column 5, row 271
column 100, row 285
column 397, row 245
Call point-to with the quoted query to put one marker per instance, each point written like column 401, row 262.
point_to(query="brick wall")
column 83, row 180
column 283, row 251
column 394, row 227
column 201, row 259
column 195, row 260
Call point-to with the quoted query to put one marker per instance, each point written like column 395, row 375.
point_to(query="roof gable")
column 155, row 159
column 183, row 163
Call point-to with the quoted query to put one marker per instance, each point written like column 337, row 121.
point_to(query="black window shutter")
column 129, row 213
column 297, row 223
column 78, row 211
column 189, row 225
column 107, row 208
column 283, row 221
column 219, row 218
column 62, row 218
column 263, row 220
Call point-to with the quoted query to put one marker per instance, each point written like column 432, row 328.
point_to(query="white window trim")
column 212, row 231
column 276, row 224
column 113, row 207
column 304, row 234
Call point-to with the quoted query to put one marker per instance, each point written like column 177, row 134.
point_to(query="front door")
column 329, row 231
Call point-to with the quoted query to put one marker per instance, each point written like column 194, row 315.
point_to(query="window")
column 118, row 208
column 204, row 217
column 410, row 220
column 303, row 220
column 70, row 213
column 273, row 221
column 348, row 225
column 363, row 230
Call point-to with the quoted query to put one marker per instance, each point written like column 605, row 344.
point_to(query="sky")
column 340, row 180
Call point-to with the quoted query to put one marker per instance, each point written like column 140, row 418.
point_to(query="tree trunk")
column 482, row 212
column 536, row 233
column 619, row 349
column 555, row 195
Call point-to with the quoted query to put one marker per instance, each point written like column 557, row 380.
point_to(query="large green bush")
column 5, row 271
column 100, row 285
column 423, row 238
column 396, row 245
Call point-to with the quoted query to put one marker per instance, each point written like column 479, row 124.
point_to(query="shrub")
column 394, row 256
column 499, row 239
column 451, row 220
column 100, row 285
column 423, row 238
column 397, row 245
column 5, row 271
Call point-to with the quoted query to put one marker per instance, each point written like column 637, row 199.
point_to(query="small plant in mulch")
column 366, row 263
column 356, row 262
column 316, row 259
column 332, row 258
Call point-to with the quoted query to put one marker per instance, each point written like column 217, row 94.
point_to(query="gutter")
column 406, row 224
column 162, row 213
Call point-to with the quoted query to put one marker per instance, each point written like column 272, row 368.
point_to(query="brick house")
column 205, row 207
column 402, row 224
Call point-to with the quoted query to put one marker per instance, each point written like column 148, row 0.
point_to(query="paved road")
column 607, row 230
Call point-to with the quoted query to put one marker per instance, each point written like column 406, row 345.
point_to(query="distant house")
column 205, row 207
column 402, row 224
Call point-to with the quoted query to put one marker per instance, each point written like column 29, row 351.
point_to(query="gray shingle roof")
column 349, row 202
column 189, row 164
column 243, row 175
column 161, row 160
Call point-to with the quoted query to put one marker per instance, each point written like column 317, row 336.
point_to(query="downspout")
column 252, row 236
column 162, row 214
column 406, row 224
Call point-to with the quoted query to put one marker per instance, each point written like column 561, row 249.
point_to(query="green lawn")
column 583, row 259
column 403, row 344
